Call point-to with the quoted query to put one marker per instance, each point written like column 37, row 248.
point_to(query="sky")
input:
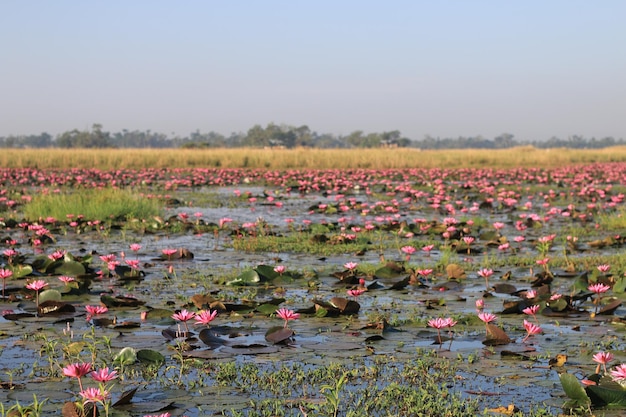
column 532, row 68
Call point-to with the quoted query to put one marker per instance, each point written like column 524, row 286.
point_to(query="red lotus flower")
column 184, row 316
column 37, row 285
column 103, row 375
column 287, row 315
column 77, row 370
column 4, row 275
column 531, row 329
column 206, row 317
column 94, row 311
column 602, row 358
column 487, row 317
column 94, row 395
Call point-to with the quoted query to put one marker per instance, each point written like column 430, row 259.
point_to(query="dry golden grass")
column 304, row 158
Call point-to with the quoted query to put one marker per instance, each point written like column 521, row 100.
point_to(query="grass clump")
column 93, row 204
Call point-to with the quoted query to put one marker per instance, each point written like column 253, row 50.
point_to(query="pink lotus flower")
column 103, row 375
column 602, row 358
column 205, row 317
column 66, row 280
column 598, row 288
column 184, row 316
column 287, row 315
column 37, row 285
column 485, row 273
column 480, row 304
column 168, row 253
column 94, row 395
column 133, row 263
column 531, row 329
column 56, row 255
column 4, row 275
column 532, row 310
column 355, row 292
column 224, row 221
column 604, row 268
column 351, row 266
column 408, row 251
column 487, row 317
column 428, row 249
column 94, row 311
column 135, row 247
column 280, row 269
column 619, row 374
column 77, row 370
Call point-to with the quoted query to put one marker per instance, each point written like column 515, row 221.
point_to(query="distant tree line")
column 285, row 136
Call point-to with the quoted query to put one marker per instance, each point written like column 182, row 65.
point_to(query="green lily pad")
column 20, row 271
column 71, row 268
column 127, row 356
column 49, row 295
column 575, row 392
column 150, row 356
column 267, row 309
column 248, row 277
column 602, row 396
column 266, row 272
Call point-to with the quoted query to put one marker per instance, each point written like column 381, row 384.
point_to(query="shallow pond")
column 314, row 235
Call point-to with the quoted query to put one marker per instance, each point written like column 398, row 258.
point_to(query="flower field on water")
column 314, row 292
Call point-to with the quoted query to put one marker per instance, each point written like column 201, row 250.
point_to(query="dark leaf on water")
column 17, row 316
column 610, row 308
column 496, row 336
column 210, row 339
column 55, row 307
column 503, row 288
column 126, row 397
column 374, row 338
column 345, row 306
column 120, row 301
column 400, row 285
column 70, row 410
column 279, row 335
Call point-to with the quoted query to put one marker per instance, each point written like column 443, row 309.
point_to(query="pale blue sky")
column 446, row 68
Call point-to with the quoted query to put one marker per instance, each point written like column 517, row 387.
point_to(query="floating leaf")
column 267, row 309
column 49, row 295
column 602, row 396
column 248, row 277
column 126, row 356
column 345, row 306
column 610, row 307
column 71, row 268
column 496, row 336
column 55, row 307
column 126, row 397
column 211, row 339
column 70, row 409
column 20, row 271
column 279, row 335
column 573, row 389
column 150, row 356
column 266, row 272
column 454, row 271
column 74, row 348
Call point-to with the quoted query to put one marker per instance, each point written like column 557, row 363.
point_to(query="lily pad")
column 150, row 356
column 575, row 392
column 279, row 335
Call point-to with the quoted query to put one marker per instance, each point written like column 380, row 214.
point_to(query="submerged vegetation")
column 308, row 292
